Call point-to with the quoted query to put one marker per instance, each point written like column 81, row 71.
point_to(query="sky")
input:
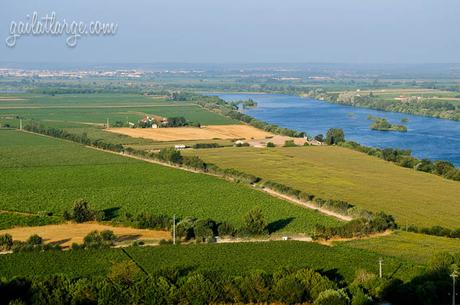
column 243, row 31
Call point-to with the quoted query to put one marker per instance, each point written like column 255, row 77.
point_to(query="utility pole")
column 380, row 267
column 174, row 229
column 454, row 276
column 107, row 123
column 20, row 124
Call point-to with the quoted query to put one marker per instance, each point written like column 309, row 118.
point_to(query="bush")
column 205, row 145
column 226, row 229
column 332, row 297
column 335, row 136
column 289, row 143
column 255, row 223
column 204, row 229
column 81, row 212
column 270, row 144
column 6, row 242
column 99, row 240
column 170, row 154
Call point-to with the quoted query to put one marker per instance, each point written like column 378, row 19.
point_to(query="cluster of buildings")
column 152, row 122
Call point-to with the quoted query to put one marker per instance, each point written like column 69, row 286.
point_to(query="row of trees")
column 33, row 243
column 339, row 206
column 375, row 223
column 201, row 230
column 126, row 283
column 78, row 138
column 436, row 231
column 411, row 105
column 404, row 158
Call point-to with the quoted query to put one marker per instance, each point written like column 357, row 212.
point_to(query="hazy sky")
column 223, row 31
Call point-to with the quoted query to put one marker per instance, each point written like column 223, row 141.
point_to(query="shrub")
column 289, row 143
column 226, row 229
column 170, row 154
column 335, row 136
column 98, row 240
column 204, row 229
column 6, row 242
column 270, row 144
column 332, row 297
column 255, row 223
column 81, row 212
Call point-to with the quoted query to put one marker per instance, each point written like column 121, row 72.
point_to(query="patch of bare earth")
column 194, row 133
column 330, row 242
column 68, row 233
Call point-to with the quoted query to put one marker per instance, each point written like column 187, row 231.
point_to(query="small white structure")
column 179, row 147
column 239, row 142
column 154, row 126
column 285, row 238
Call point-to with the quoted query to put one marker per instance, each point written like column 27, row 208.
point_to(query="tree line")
column 127, row 283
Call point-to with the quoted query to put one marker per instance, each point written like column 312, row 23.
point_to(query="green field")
column 338, row 173
column 8, row 220
column 46, row 174
column 96, row 108
column 234, row 259
column 409, row 246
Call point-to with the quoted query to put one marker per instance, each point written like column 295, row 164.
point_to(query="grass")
column 233, row 259
column 414, row 247
column 338, row 173
column 46, row 174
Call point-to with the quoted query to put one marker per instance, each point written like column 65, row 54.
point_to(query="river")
column 431, row 138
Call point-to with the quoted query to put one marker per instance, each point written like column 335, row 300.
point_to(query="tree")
column 289, row 290
column 170, row 154
column 6, row 242
column 442, row 167
column 332, row 297
column 425, row 165
column 270, row 144
column 82, row 211
column 97, row 240
column 204, row 229
column 124, row 272
column 335, row 136
column 254, row 222
column 319, row 138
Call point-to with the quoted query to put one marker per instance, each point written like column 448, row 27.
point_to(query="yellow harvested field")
column 68, row 233
column 194, row 133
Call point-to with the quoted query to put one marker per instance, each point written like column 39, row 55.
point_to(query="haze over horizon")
column 238, row 31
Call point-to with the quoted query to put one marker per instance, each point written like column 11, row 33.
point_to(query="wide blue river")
column 426, row 137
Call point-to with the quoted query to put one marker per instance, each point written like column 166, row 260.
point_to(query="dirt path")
column 330, row 242
column 68, row 233
column 308, row 205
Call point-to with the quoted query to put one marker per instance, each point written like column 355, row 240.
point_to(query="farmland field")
column 96, row 108
column 192, row 133
column 67, row 233
column 338, row 173
column 414, row 247
column 46, row 174
column 234, row 259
